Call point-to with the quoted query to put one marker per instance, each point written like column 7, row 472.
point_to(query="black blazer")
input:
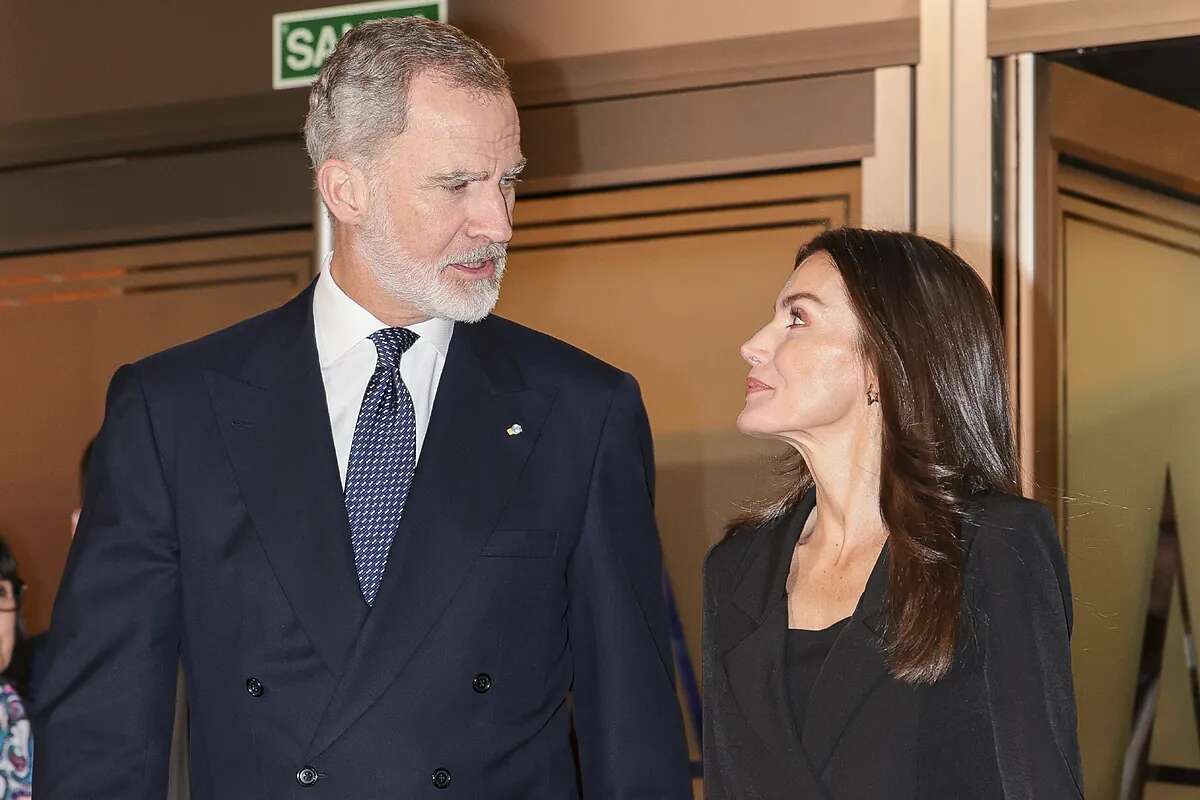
column 1001, row 724
column 527, row 566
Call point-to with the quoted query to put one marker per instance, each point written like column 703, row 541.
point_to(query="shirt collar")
column 341, row 323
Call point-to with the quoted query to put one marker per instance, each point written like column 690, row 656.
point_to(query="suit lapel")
column 854, row 668
column 468, row 468
column 755, row 666
column 275, row 423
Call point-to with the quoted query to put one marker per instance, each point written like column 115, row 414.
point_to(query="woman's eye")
column 797, row 321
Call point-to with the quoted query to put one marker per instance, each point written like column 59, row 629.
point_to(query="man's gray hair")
column 360, row 99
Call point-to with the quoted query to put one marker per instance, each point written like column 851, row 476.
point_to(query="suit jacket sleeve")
column 712, row 677
column 107, row 700
column 627, row 718
column 1023, row 592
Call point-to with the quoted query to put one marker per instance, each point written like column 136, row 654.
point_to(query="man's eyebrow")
column 458, row 176
column 467, row 176
column 791, row 298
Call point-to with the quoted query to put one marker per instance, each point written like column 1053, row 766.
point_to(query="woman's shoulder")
column 1013, row 550
column 725, row 556
column 998, row 521
column 742, row 541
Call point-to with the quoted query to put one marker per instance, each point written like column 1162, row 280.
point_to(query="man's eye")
column 455, row 188
column 510, row 180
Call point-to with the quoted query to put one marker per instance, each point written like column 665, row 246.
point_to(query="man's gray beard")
column 426, row 287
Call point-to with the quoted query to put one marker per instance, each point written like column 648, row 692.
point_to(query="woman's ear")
column 871, row 381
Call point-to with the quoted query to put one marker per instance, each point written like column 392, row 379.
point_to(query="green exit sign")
column 304, row 39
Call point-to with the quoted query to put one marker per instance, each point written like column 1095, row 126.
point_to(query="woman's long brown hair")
column 929, row 328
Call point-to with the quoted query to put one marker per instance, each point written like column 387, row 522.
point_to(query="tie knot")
column 391, row 343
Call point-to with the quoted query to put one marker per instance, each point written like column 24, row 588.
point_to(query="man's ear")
column 345, row 191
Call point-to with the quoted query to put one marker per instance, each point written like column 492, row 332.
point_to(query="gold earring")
column 872, row 395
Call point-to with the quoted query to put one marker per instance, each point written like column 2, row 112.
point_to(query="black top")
column 804, row 656
column 1000, row 725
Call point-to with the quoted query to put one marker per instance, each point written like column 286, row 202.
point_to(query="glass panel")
column 1131, row 411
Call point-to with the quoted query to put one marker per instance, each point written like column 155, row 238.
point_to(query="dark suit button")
column 255, row 687
column 482, row 683
column 306, row 776
column 441, row 777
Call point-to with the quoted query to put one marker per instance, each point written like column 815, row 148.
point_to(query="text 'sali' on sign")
column 302, row 40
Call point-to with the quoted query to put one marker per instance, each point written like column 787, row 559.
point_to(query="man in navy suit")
column 399, row 544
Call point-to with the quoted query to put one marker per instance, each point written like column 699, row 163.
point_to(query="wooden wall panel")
column 67, row 321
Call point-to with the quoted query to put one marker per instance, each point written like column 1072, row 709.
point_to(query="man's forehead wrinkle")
column 479, row 135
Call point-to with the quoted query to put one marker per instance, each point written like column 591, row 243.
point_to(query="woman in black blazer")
column 897, row 624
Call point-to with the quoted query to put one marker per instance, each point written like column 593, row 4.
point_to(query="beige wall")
column 537, row 29
column 67, row 321
column 89, row 58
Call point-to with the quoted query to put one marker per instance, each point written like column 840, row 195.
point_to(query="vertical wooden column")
column 934, row 146
column 887, row 176
column 971, row 162
column 954, row 130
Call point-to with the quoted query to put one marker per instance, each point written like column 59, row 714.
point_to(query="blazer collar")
column 756, row 666
column 762, row 585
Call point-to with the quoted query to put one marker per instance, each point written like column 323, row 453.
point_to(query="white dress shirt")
column 348, row 360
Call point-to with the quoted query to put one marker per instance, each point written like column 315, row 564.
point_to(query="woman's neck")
column 845, row 470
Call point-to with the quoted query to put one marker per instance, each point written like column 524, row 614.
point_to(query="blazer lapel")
column 468, row 468
column 755, row 666
column 854, row 668
column 275, row 423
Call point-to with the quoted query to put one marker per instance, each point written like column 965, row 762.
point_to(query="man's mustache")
column 497, row 253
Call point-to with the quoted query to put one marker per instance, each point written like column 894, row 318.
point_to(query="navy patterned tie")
column 383, row 458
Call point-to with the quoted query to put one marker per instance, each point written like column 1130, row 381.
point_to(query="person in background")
column 897, row 624
column 16, row 741
column 33, row 655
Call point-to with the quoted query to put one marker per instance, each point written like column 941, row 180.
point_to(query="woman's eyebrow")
column 791, row 298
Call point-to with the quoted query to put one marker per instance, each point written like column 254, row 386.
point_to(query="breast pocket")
column 521, row 544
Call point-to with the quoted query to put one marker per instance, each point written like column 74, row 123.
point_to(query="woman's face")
column 8, row 623
column 806, row 373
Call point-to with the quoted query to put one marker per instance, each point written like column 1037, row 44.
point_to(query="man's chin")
column 467, row 309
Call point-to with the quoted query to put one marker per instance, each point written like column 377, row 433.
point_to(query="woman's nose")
column 752, row 355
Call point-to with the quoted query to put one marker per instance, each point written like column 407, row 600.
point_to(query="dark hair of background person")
column 17, row 672
column 929, row 328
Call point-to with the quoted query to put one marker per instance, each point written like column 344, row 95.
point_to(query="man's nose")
column 491, row 218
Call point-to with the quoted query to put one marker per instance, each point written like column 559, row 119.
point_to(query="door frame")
column 1050, row 147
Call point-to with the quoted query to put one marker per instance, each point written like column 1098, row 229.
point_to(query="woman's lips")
column 755, row 385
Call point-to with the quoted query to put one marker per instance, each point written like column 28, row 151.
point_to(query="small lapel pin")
column 514, row 430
